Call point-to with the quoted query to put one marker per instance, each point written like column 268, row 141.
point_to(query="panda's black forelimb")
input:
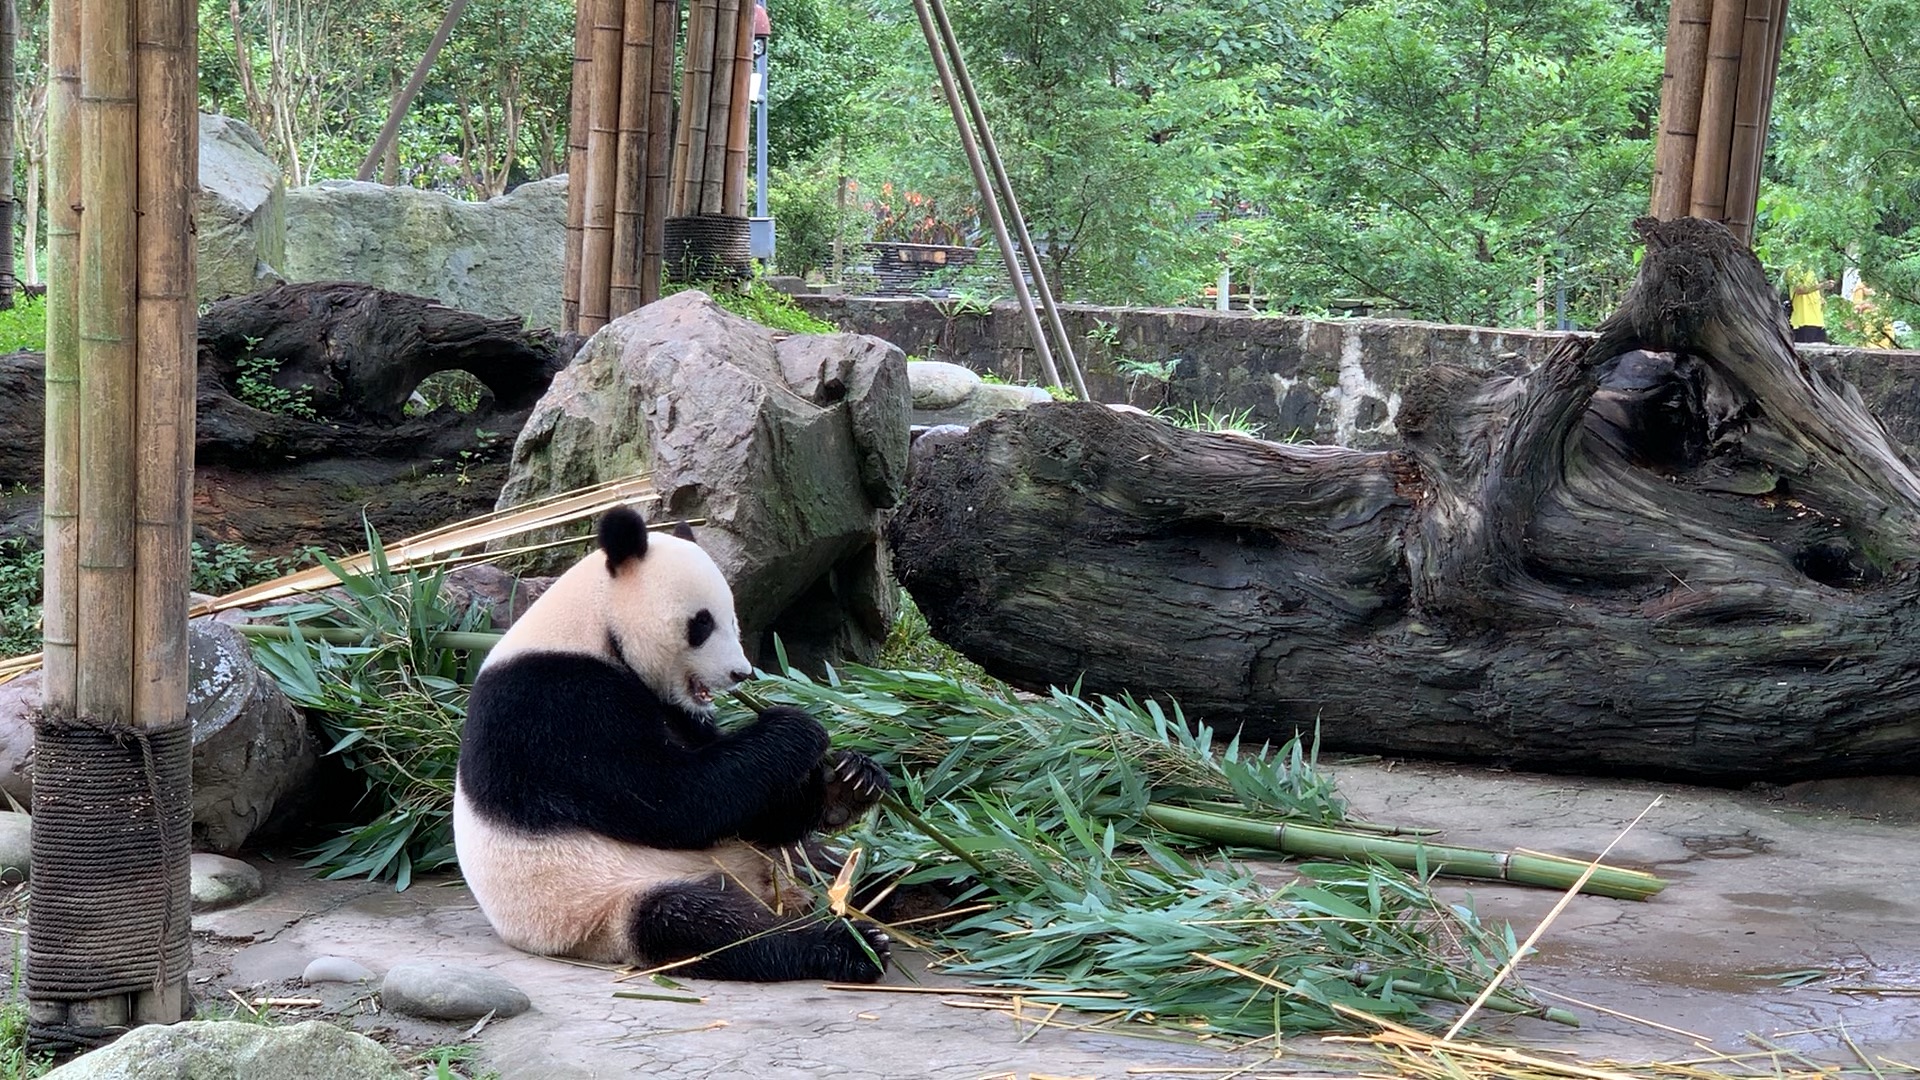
column 605, row 759
column 737, row 937
column 841, row 787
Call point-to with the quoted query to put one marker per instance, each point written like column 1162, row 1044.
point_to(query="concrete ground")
column 1791, row 922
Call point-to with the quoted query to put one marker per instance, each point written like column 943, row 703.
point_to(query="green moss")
column 24, row 326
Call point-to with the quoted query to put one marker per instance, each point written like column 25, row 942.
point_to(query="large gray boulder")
column 254, row 755
column 790, row 446
column 235, row 1050
column 239, row 213
column 499, row 257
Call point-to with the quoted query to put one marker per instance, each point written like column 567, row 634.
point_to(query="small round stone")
column 450, row 992
column 335, row 969
column 222, row 882
column 16, row 847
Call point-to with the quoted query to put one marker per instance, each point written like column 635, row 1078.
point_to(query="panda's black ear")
column 623, row 536
column 685, row 532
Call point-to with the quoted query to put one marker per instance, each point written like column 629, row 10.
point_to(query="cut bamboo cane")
column 691, row 160
column 108, row 164
column 659, row 181
column 603, row 136
column 166, row 323
column 1749, row 121
column 1688, row 22
column 1516, row 867
column 579, row 116
column 1718, row 91
column 1777, row 26
column 630, row 172
column 733, row 198
column 713, row 170
column 61, row 487
column 683, row 117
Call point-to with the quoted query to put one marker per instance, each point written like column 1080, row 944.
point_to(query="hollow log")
column 1674, row 550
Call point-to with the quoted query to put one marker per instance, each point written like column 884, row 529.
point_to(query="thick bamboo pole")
column 695, row 98
column 108, row 358
column 1718, row 91
column 60, row 618
column 603, row 138
column 579, row 112
column 713, row 168
column 659, row 181
column 630, row 172
column 1687, row 24
column 1749, row 119
column 733, row 196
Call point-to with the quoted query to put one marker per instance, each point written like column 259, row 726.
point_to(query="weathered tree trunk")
column 1674, row 550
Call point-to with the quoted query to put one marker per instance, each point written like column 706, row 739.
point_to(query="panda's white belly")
column 570, row 894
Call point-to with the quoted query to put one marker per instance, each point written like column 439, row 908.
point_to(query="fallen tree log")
column 1675, row 550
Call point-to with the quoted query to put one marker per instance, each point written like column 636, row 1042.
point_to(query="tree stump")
column 1675, row 550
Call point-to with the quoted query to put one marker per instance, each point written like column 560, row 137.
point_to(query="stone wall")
column 1312, row 380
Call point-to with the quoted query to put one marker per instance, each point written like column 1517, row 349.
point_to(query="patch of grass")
column 762, row 303
column 911, row 646
column 24, row 326
column 459, row 390
column 456, row 1062
column 254, row 385
column 15, row 1062
column 1229, row 422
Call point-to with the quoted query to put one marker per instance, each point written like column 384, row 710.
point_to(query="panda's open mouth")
column 700, row 692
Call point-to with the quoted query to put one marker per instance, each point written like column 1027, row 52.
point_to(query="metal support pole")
column 760, row 133
column 1013, row 205
column 985, row 188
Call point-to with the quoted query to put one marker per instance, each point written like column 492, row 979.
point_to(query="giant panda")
column 599, row 812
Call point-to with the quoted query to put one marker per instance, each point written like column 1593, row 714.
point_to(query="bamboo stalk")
column 166, row 322
column 1749, row 119
column 579, row 116
column 695, row 98
column 1517, row 867
column 733, row 198
column 659, row 181
column 713, row 169
column 1777, row 25
column 108, row 358
column 1718, row 91
column 630, row 171
column 596, row 225
column 61, row 487
column 1687, row 24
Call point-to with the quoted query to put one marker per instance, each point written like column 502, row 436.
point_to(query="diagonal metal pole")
column 985, row 187
column 1061, row 341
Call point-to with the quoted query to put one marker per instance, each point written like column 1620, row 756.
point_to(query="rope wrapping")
column 707, row 247
column 112, row 836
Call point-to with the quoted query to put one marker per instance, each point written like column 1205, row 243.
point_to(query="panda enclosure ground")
column 1675, row 550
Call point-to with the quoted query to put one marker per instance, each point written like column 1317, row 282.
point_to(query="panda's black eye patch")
column 699, row 629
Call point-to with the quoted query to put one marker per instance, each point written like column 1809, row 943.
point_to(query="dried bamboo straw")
column 1687, row 24
column 603, row 138
column 733, row 197
column 167, row 330
column 697, row 92
column 713, row 169
column 1749, row 122
column 579, row 115
column 630, row 172
column 61, row 512
column 1718, row 90
column 659, row 180
column 108, row 360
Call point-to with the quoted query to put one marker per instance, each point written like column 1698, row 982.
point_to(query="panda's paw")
column 861, row 953
column 854, row 782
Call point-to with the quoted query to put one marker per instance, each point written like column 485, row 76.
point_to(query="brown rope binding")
column 112, row 825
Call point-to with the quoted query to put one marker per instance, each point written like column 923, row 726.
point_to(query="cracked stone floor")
column 1764, row 884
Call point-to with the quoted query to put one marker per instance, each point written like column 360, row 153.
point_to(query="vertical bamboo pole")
column 630, row 172
column 659, row 180
column 579, row 112
column 603, row 137
column 713, row 170
column 108, row 168
column 733, row 199
column 1749, row 120
column 166, row 322
column 1777, row 20
column 1688, row 22
column 61, row 513
column 1708, row 198
column 695, row 98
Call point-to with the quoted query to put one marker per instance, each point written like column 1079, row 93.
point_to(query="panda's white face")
column 670, row 616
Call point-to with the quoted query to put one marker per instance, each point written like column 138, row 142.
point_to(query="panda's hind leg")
column 736, row 937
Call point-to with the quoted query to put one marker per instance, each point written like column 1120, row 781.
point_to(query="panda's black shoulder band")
column 623, row 536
